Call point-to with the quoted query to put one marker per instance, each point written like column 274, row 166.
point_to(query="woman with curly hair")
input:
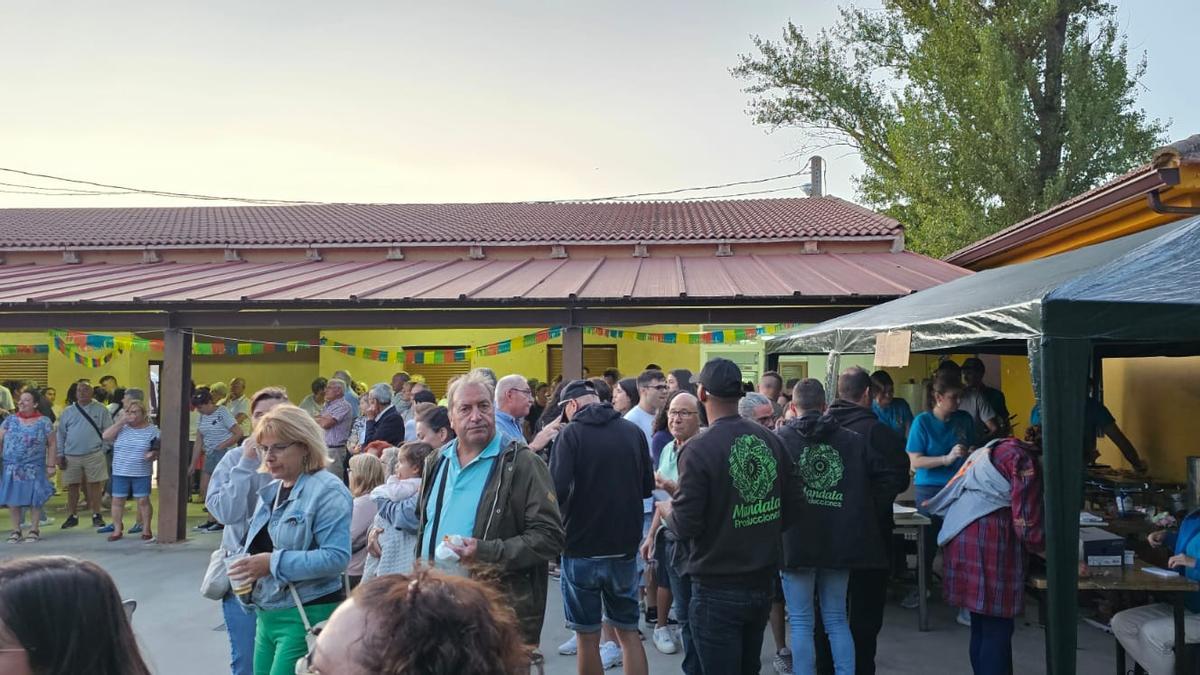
column 424, row 623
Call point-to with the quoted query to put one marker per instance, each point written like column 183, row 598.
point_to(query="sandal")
column 14, row 537
column 147, row 536
column 34, row 536
column 115, row 536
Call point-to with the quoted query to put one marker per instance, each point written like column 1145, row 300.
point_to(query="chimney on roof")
column 816, row 176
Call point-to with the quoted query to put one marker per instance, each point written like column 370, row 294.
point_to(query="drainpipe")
column 1157, row 205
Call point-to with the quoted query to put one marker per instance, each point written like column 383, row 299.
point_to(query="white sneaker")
column 610, row 655
column 570, row 647
column 963, row 618
column 913, row 599
column 664, row 640
column 783, row 661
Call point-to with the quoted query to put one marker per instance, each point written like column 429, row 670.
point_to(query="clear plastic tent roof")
column 1161, row 266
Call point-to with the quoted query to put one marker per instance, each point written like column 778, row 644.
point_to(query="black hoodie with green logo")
column 842, row 477
column 735, row 493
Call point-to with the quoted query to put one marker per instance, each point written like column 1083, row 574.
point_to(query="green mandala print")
column 752, row 468
column 821, row 467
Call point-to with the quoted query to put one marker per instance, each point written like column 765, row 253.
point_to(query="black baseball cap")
column 577, row 388
column 722, row 378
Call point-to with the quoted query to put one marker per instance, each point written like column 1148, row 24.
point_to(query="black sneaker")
column 215, row 527
column 651, row 616
column 203, row 527
column 97, row 520
column 71, row 521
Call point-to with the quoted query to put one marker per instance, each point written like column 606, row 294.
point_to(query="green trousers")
column 279, row 641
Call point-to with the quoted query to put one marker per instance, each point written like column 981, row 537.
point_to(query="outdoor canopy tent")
column 1138, row 295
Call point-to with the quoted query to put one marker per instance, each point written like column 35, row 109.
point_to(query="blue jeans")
column 241, row 624
column 991, row 644
column 727, row 625
column 830, row 586
column 600, row 588
column 681, row 597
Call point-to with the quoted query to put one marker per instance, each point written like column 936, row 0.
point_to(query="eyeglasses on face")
column 661, row 387
column 681, row 414
column 275, row 448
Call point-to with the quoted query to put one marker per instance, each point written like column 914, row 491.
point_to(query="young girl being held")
column 390, row 550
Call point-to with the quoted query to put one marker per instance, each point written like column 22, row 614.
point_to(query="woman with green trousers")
column 298, row 540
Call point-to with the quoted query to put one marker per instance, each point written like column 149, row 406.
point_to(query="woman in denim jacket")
column 298, row 539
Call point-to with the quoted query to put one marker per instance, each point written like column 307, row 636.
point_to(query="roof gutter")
column 1148, row 182
column 1157, row 206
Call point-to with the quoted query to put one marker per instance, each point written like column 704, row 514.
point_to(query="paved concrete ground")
column 180, row 631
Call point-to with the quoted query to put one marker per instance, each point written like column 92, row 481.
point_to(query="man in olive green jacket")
column 499, row 497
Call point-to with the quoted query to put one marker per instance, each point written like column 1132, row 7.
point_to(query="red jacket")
column 984, row 565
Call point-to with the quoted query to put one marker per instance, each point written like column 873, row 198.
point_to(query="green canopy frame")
column 1134, row 296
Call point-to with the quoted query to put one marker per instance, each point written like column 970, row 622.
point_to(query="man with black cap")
column 601, row 471
column 735, row 494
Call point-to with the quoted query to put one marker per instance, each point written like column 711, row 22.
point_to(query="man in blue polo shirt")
column 495, row 494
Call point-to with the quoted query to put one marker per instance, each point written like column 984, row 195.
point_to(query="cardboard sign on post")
column 892, row 349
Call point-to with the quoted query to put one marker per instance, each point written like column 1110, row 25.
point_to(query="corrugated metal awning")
column 520, row 282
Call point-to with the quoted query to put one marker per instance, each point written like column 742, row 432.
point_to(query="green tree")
column 970, row 115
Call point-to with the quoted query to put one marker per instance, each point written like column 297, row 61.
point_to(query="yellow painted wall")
column 1155, row 402
column 294, row 372
column 632, row 356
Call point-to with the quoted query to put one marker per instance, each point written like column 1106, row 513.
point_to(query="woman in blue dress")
column 30, row 457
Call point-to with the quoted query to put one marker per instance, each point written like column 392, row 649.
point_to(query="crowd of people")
column 699, row 507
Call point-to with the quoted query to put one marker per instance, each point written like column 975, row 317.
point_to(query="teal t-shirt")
column 668, row 463
column 464, row 489
column 932, row 437
column 897, row 415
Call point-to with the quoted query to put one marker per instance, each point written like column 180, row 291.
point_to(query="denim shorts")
column 596, row 589
column 124, row 487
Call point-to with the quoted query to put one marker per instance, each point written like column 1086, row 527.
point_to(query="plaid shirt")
column 985, row 563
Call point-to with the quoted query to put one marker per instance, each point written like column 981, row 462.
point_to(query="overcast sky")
column 426, row 102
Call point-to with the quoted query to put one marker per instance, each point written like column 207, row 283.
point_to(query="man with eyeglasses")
column 514, row 399
column 653, row 392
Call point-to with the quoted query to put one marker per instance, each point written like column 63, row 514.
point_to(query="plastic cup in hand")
column 241, row 585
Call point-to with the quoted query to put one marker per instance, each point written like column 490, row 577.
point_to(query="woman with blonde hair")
column 135, row 447
column 298, row 540
column 366, row 474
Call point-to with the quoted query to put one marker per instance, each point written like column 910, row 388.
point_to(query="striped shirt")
column 343, row 414
column 216, row 428
column 129, row 451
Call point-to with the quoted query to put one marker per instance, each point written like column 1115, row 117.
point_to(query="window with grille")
column 596, row 358
column 437, row 375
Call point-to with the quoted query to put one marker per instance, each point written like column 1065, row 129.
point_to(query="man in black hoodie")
column 601, row 470
column 868, row 587
column 836, row 530
column 735, row 493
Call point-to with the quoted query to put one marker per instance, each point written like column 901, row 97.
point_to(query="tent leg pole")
column 1063, row 373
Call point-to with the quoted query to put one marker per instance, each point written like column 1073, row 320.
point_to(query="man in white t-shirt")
column 653, row 390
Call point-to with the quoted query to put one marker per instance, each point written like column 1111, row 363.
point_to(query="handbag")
column 215, row 585
column 310, row 631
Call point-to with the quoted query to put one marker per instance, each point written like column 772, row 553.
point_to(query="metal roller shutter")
column 437, row 375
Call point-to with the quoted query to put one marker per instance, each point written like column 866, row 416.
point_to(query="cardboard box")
column 1102, row 548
